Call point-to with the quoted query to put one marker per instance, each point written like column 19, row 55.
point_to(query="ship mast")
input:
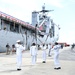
column 43, row 24
column 44, row 16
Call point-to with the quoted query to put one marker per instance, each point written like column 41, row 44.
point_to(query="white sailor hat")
column 18, row 41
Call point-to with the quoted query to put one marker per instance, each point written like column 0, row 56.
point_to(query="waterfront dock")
column 67, row 61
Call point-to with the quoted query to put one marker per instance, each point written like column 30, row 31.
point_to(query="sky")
column 63, row 14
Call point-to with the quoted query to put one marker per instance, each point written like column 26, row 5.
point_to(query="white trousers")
column 34, row 58
column 56, row 60
column 19, row 61
column 49, row 51
column 44, row 55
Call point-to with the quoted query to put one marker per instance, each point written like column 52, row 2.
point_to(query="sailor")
column 33, row 52
column 56, row 56
column 19, row 50
column 44, row 53
column 49, row 49
column 8, row 49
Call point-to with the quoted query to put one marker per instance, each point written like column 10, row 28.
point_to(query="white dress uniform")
column 19, row 49
column 56, row 55
column 44, row 54
column 33, row 52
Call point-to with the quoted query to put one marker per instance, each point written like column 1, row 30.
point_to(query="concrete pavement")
column 67, row 61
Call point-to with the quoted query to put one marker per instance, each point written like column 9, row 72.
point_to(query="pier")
column 66, row 58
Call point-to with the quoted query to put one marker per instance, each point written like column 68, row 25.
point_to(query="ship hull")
column 8, row 37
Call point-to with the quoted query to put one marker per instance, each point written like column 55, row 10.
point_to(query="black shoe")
column 18, row 69
column 57, row 68
column 43, row 62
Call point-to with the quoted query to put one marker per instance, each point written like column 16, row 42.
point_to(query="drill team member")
column 33, row 52
column 19, row 50
column 56, row 56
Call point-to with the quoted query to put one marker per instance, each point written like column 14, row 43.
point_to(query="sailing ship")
column 42, row 29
